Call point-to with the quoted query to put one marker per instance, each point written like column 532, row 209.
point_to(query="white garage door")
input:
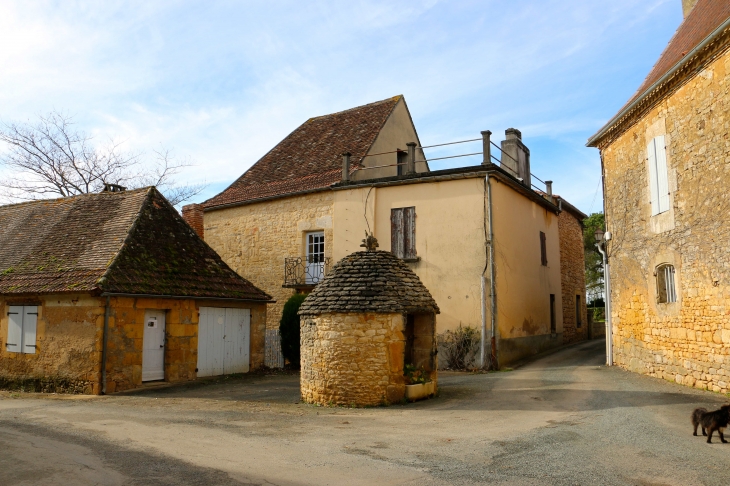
column 224, row 339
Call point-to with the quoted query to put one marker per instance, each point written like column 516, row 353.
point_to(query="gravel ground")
column 561, row 420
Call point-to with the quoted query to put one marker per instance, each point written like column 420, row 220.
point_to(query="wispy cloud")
column 222, row 82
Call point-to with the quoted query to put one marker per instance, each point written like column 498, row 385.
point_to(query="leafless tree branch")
column 51, row 157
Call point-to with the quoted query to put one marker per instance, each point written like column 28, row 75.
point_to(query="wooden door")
column 153, row 346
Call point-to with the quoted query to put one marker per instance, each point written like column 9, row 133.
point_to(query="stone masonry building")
column 666, row 172
column 103, row 292
column 361, row 325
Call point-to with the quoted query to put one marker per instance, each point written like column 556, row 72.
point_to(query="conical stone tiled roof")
column 370, row 281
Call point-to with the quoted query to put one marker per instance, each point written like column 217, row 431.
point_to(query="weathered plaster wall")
column 449, row 238
column 352, row 359
column 397, row 131
column 523, row 284
column 68, row 346
column 255, row 238
column 688, row 341
column 573, row 278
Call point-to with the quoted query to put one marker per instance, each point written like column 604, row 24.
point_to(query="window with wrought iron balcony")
column 308, row 270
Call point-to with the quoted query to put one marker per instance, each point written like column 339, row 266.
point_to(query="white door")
column 153, row 346
column 223, row 341
column 315, row 257
column 236, row 341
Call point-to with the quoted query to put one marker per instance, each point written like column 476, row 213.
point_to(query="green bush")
column 289, row 329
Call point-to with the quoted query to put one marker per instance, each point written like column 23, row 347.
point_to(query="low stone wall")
column 352, row 359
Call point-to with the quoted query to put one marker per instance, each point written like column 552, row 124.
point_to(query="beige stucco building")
column 305, row 205
column 665, row 168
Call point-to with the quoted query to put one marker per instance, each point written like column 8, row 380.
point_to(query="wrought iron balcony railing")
column 305, row 271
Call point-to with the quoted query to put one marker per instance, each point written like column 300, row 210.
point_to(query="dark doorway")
column 553, row 323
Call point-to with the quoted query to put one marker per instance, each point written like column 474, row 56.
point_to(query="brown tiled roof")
column 370, row 281
column 132, row 242
column 703, row 19
column 311, row 156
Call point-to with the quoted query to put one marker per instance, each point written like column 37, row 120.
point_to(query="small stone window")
column 665, row 289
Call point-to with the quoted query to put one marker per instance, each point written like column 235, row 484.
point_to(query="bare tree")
column 52, row 158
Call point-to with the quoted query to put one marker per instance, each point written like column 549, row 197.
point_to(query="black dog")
column 715, row 421
column 697, row 418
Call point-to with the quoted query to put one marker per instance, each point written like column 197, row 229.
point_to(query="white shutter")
column 30, row 321
column 15, row 329
column 662, row 173
column 653, row 182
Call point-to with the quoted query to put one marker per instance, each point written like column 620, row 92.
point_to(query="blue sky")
column 221, row 82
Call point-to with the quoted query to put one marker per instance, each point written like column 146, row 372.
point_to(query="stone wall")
column 68, row 346
column 69, row 342
column 254, row 239
column 687, row 341
column 352, row 359
column 572, row 275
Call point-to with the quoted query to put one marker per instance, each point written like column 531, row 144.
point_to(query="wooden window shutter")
column 397, row 246
column 662, row 174
column 543, row 249
column 653, row 179
column 409, row 233
column 15, row 329
column 30, row 322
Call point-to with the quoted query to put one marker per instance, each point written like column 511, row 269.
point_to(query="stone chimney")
column 516, row 156
column 687, row 6
column 193, row 215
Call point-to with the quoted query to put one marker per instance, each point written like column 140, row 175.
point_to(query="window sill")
column 411, row 260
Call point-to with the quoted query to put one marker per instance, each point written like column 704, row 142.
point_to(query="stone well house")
column 302, row 207
column 104, row 292
column 665, row 171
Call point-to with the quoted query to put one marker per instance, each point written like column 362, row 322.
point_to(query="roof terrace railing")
column 406, row 160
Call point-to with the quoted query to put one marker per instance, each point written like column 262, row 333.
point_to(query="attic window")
column 666, row 292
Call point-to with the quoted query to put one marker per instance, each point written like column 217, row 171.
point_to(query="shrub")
column 460, row 347
column 289, row 329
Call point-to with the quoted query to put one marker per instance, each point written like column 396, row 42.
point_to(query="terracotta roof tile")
column 131, row 242
column 703, row 19
column 310, row 157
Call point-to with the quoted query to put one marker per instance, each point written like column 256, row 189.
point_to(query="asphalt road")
column 563, row 419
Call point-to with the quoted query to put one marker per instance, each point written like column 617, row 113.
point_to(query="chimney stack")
column 687, row 6
column 516, row 156
column 193, row 215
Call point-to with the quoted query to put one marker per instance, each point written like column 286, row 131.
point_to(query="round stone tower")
column 367, row 319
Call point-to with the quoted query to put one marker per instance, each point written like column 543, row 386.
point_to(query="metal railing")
column 305, row 271
column 406, row 160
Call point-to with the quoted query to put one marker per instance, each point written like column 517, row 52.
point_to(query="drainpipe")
column 486, row 160
column 104, row 347
column 607, row 298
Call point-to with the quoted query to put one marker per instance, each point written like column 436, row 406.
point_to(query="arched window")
column 666, row 292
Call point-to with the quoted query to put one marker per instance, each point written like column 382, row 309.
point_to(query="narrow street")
column 563, row 419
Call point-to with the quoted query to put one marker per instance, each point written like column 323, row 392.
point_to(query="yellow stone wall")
column 688, row 341
column 254, row 239
column 68, row 345
column 69, row 342
column 353, row 359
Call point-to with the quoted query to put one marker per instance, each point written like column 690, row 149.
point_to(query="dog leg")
column 695, row 432
column 709, row 436
column 722, row 436
column 704, row 432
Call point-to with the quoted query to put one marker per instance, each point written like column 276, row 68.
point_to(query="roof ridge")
column 374, row 103
column 75, row 196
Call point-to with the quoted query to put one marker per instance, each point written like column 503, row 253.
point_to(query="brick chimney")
column 516, row 156
column 687, row 6
column 193, row 215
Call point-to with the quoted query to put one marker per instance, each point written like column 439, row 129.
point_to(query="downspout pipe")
column 493, row 284
column 104, row 346
column 607, row 301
